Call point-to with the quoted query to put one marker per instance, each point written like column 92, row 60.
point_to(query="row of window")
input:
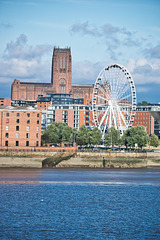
column 142, row 118
column 144, row 113
column 18, row 121
column 17, row 135
column 141, row 122
column 18, row 114
column 17, row 128
column 17, row 143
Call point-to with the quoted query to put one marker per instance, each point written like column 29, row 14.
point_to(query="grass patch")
column 155, row 160
column 116, row 160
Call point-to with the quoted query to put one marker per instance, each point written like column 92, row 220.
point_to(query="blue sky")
column 99, row 32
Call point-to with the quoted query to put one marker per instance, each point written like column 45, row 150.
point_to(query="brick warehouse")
column 61, row 81
column 20, row 127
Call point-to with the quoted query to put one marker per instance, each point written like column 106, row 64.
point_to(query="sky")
column 99, row 33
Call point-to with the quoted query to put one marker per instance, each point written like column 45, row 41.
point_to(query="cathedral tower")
column 61, row 78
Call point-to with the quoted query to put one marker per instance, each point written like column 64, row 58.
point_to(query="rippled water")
column 80, row 204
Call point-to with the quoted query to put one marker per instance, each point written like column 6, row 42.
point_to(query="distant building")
column 20, row 127
column 61, row 81
column 146, row 116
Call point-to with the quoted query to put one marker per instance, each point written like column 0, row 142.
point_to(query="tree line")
column 134, row 136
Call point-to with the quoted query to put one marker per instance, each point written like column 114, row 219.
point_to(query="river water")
column 80, row 204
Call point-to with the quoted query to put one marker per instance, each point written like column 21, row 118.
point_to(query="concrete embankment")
column 79, row 160
column 111, row 160
column 20, row 162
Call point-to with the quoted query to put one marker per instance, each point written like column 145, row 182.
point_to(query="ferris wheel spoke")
column 122, row 116
column 126, row 97
column 104, row 91
column 100, row 97
column 102, row 120
column 123, row 91
column 105, row 124
column 113, row 114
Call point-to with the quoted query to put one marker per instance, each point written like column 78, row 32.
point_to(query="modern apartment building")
column 20, row 127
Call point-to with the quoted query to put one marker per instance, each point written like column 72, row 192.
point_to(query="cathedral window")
column 62, row 86
column 62, row 64
column 30, row 97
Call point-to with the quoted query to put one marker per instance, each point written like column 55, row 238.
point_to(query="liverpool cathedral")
column 61, row 81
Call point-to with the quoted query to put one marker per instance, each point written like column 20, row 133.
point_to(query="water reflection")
column 81, row 176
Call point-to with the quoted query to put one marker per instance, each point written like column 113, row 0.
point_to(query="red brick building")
column 5, row 102
column 20, row 127
column 145, row 119
column 61, row 81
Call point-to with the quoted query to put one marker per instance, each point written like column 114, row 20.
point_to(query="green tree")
column 144, row 103
column 67, row 134
column 81, row 138
column 96, row 136
column 112, row 137
column 126, row 139
column 58, row 132
column 134, row 135
column 154, row 141
column 44, row 138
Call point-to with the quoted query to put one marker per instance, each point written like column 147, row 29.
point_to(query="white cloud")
column 153, row 52
column 21, row 50
column 86, row 72
column 25, row 62
column 144, row 71
column 115, row 38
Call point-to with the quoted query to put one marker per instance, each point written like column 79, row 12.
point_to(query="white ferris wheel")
column 114, row 99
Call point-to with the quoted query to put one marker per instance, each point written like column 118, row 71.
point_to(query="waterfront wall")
column 80, row 160
column 49, row 152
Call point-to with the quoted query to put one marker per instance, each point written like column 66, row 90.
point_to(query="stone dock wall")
column 81, row 159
